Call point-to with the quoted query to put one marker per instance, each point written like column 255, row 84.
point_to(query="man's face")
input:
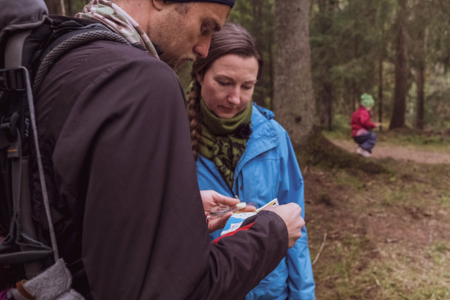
column 184, row 36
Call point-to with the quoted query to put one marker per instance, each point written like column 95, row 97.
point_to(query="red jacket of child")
column 361, row 120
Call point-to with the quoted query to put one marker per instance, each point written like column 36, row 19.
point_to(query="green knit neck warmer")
column 225, row 140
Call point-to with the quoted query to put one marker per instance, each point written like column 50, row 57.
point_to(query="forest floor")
column 388, row 234
column 399, row 152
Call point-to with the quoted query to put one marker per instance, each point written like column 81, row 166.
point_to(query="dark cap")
column 225, row 2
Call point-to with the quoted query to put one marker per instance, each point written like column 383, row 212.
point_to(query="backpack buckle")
column 11, row 128
column 11, row 125
column 12, row 80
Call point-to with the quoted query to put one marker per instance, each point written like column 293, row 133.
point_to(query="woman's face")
column 228, row 85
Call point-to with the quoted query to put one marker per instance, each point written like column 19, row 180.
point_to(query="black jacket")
column 123, row 189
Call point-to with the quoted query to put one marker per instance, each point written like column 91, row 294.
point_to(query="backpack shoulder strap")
column 16, row 84
column 93, row 32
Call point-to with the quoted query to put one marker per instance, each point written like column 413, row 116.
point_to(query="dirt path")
column 397, row 152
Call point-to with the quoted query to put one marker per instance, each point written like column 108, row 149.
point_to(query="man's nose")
column 202, row 47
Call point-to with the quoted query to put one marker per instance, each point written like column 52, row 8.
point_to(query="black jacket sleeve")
column 125, row 186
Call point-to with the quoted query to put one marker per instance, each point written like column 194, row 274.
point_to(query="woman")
column 362, row 126
column 242, row 152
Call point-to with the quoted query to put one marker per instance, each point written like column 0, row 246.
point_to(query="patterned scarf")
column 119, row 21
column 225, row 140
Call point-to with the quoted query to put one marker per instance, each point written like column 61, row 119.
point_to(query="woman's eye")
column 223, row 83
column 248, row 87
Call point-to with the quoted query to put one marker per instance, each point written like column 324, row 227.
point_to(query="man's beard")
column 176, row 61
column 170, row 42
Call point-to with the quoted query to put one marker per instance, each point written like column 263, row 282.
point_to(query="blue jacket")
column 268, row 169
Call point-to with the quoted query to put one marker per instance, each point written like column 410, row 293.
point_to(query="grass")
column 445, row 200
column 343, row 178
column 388, row 232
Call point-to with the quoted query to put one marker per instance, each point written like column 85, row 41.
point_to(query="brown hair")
column 232, row 39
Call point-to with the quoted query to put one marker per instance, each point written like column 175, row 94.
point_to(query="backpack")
column 30, row 42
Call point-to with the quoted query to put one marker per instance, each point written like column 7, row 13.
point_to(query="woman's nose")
column 235, row 97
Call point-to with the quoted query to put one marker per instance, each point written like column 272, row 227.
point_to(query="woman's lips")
column 226, row 109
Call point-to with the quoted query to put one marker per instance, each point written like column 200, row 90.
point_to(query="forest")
column 397, row 51
column 378, row 228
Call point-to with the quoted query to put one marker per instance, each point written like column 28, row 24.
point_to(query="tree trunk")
column 54, row 6
column 330, row 98
column 421, row 55
column 322, row 5
column 326, row 97
column 63, row 8
column 380, row 91
column 355, row 96
column 256, row 30
column 57, row 7
column 420, row 82
column 326, row 90
column 70, row 12
column 294, row 103
column 401, row 71
column 271, row 76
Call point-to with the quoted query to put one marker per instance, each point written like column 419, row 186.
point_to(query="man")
column 122, row 182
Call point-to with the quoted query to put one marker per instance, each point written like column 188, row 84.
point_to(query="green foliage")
column 347, row 40
column 351, row 39
column 257, row 16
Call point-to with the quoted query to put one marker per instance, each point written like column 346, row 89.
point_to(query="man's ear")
column 158, row 4
column 200, row 78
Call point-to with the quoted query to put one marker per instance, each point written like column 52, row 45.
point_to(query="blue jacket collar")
column 264, row 136
column 264, row 111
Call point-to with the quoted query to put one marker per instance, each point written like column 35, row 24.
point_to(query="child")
column 362, row 126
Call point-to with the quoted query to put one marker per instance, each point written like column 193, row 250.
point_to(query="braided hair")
column 195, row 116
column 232, row 39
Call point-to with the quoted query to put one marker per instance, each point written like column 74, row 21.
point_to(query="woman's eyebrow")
column 229, row 78
column 251, row 81
column 223, row 77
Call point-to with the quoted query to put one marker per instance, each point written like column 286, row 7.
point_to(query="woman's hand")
column 213, row 199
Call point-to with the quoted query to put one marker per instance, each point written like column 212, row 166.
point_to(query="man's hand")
column 291, row 215
column 213, row 199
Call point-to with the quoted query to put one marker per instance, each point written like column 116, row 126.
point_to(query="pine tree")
column 401, row 69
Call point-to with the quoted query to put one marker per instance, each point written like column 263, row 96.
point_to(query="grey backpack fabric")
column 53, row 284
column 21, row 15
